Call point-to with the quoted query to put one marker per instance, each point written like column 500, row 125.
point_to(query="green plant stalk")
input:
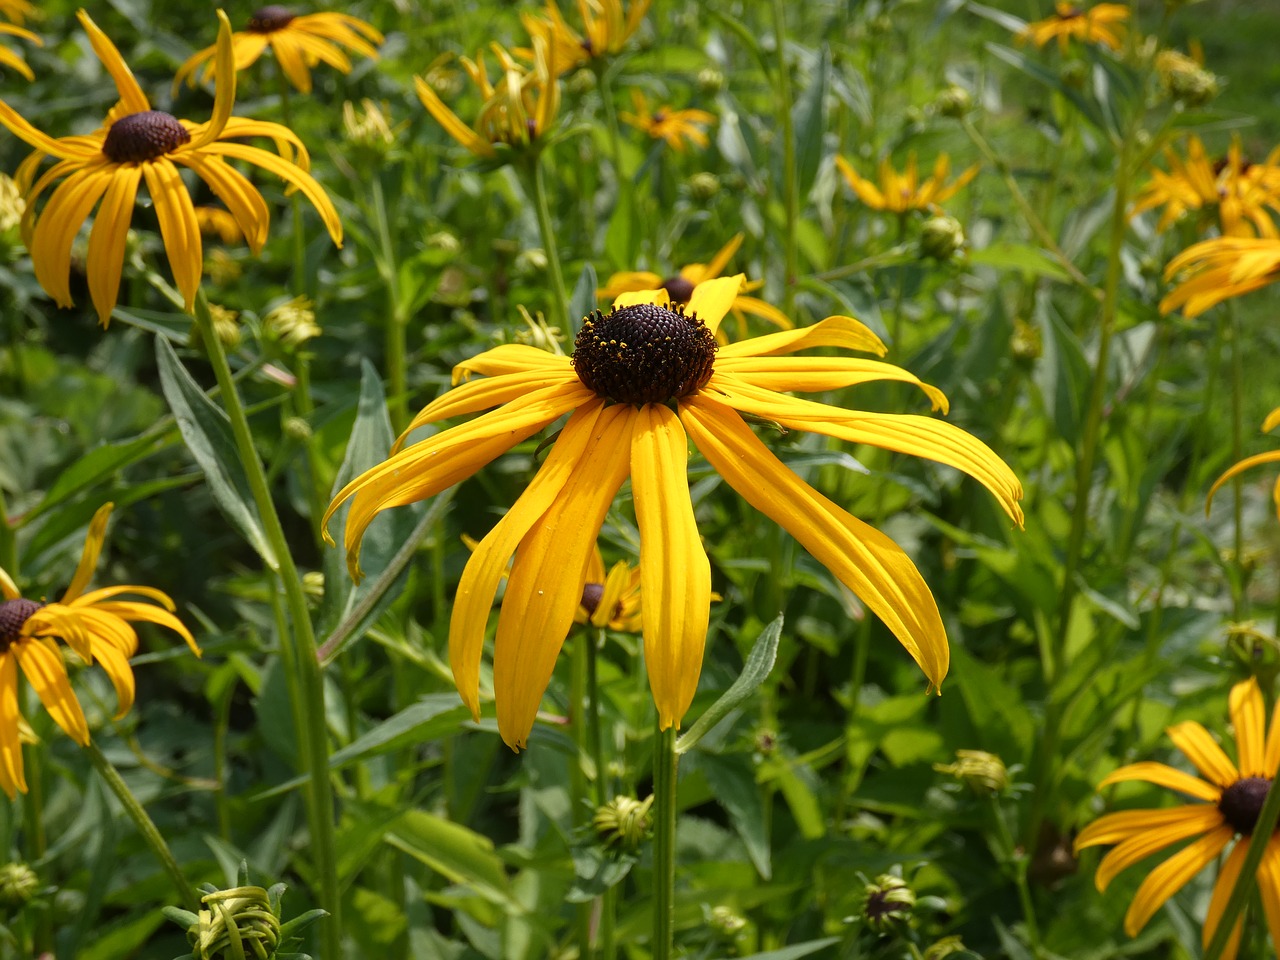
column 1016, row 864
column 605, row 87
column 665, row 764
column 1245, row 882
column 578, row 799
column 397, row 322
column 595, row 729
column 790, row 185
column 317, row 496
column 536, row 185
column 221, row 723
column 297, row 647
column 1237, row 454
column 37, row 838
column 146, row 827
column 8, row 542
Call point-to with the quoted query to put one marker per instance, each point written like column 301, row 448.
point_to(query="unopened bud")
column 887, row 903
column 982, row 771
column 710, row 81
column 623, row 822
column 726, row 922
column 1025, row 344
column 18, row 884
column 955, row 101
column 946, row 947
column 941, row 237
column 237, row 923
column 703, row 186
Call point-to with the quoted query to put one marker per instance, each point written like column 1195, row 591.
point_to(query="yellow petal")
column 817, row 374
column 862, row 558
column 1203, row 751
column 1271, row 456
column 488, row 393
column 8, row 589
column 766, row 311
column 1138, row 847
column 89, row 555
column 630, row 298
column 292, row 174
column 843, row 332
column 509, row 358
column 1269, row 887
column 1171, row 876
column 292, row 62
column 675, row 575
column 233, row 188
column 721, row 259
column 42, row 664
column 131, row 95
column 1249, row 719
column 117, row 668
column 1115, row 827
column 449, row 120
column 488, row 563
column 59, row 222
column 1222, row 893
column 712, row 299
column 1163, row 776
column 178, row 226
column 146, row 613
column 628, row 282
column 11, row 775
column 108, row 238
column 545, row 584
column 224, row 91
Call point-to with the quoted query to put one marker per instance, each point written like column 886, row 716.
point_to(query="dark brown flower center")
column 644, row 354
column 144, row 136
column 270, row 19
column 678, row 288
column 592, row 594
column 13, row 614
column 1071, row 13
column 1241, row 803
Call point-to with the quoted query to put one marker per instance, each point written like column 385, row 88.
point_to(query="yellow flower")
column 12, row 59
column 673, row 126
column 681, row 286
column 217, row 222
column 902, row 192
column 298, row 41
column 1231, row 798
column 1215, row 270
column 138, row 143
column 95, row 625
column 643, row 380
column 610, row 600
column 18, row 11
column 1098, row 24
column 517, row 111
column 293, row 323
column 606, row 29
column 1272, row 456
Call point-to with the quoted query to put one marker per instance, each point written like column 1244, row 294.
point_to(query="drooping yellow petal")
column 292, row 62
column 491, row 392
column 875, row 568
column 130, row 611
column 8, row 589
column 675, row 575
column 1195, row 821
column 817, row 374
column 233, row 188
column 108, row 239
column 1249, row 719
column 178, row 226
column 1271, row 456
column 42, row 665
column 450, row 121
column 1221, row 894
column 58, row 225
column 509, row 358
column 293, row 175
column 843, row 332
column 1120, row 826
column 89, row 555
column 1171, row 876
column 131, row 95
column 12, row 780
column 1202, row 750
column 721, row 260
column 224, row 91
column 545, row 584
column 118, row 671
column 1161, row 775
column 1269, row 888
column 488, row 563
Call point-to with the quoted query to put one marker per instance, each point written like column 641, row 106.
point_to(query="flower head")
column 680, row 287
column 1215, row 270
column 1271, row 456
column 644, row 379
column 665, row 123
column 1100, row 24
column 12, row 59
column 1231, row 796
column 901, row 192
column 610, row 600
column 135, row 144
column 299, row 42
column 96, row 625
column 1184, row 78
column 517, row 110
column 607, row 26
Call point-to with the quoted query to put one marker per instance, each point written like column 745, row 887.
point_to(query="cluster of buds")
column 1183, row 80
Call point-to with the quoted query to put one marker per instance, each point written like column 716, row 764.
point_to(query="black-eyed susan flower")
column 1230, row 796
column 135, row 144
column 607, row 26
column 1271, row 456
column 299, row 42
column 610, row 600
column 1100, row 24
column 96, row 625
column 12, row 59
column 18, row 11
column 680, row 287
column 516, row 111
column 666, row 123
column 1215, row 270
column 643, row 380
column 904, row 192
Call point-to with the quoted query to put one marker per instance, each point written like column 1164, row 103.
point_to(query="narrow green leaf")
column 455, row 852
column 807, row 118
column 735, row 789
column 759, row 662
column 1029, row 261
column 794, row 952
column 95, row 466
column 207, row 432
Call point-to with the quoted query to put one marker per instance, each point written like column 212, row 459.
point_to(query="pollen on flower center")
column 144, row 136
column 13, row 614
column 1241, row 803
column 644, row 354
column 270, row 19
column 678, row 288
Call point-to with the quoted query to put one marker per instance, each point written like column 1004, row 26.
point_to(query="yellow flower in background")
column 643, row 380
column 18, row 11
column 1100, row 24
column 299, row 42
column 680, row 288
column 12, row 59
column 517, row 111
column 673, row 126
column 220, row 223
column 607, row 26
column 903, row 192
column 1271, row 456
column 96, row 625
column 1215, row 270
column 137, row 143
column 1231, row 798
column 610, row 600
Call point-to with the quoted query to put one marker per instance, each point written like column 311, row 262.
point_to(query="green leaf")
column 94, row 467
column 1088, row 108
column 735, row 789
column 455, row 852
column 759, row 662
column 583, row 300
column 795, row 952
column 808, row 124
column 622, row 238
column 207, row 432
column 1028, row 260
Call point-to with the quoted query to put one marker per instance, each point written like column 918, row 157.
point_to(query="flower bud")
column 292, row 323
column 1185, row 81
column 623, row 822
column 703, row 186
column 955, row 102
column 887, row 903
column 983, row 772
column 1025, row 344
column 531, row 261
column 296, row 428
column 445, row 242
column 581, row 82
column 946, row 947
column 12, row 205
column 237, row 922
column 726, row 922
column 18, row 884
column 941, row 237
column 710, row 81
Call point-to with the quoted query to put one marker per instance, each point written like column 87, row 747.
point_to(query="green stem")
column 1258, row 842
column 397, row 363
column 8, row 542
column 578, row 799
column 888, row 257
column 1237, row 454
column 665, row 763
column 299, row 240
column 537, row 187
column 317, row 496
column 1016, row 863
column 790, row 185
column 595, row 730
column 297, row 646
column 146, row 827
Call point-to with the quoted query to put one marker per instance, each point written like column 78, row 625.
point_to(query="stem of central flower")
column 297, row 646
column 532, row 171
column 665, row 764
column 146, row 827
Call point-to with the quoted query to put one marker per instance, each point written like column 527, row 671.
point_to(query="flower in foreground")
column 902, row 192
column 299, row 41
column 665, row 123
column 1271, row 456
column 643, row 380
column 607, row 27
column 1231, row 798
column 138, row 143
column 681, row 285
column 12, row 59
column 96, row 625
column 1215, row 270
column 1100, row 24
